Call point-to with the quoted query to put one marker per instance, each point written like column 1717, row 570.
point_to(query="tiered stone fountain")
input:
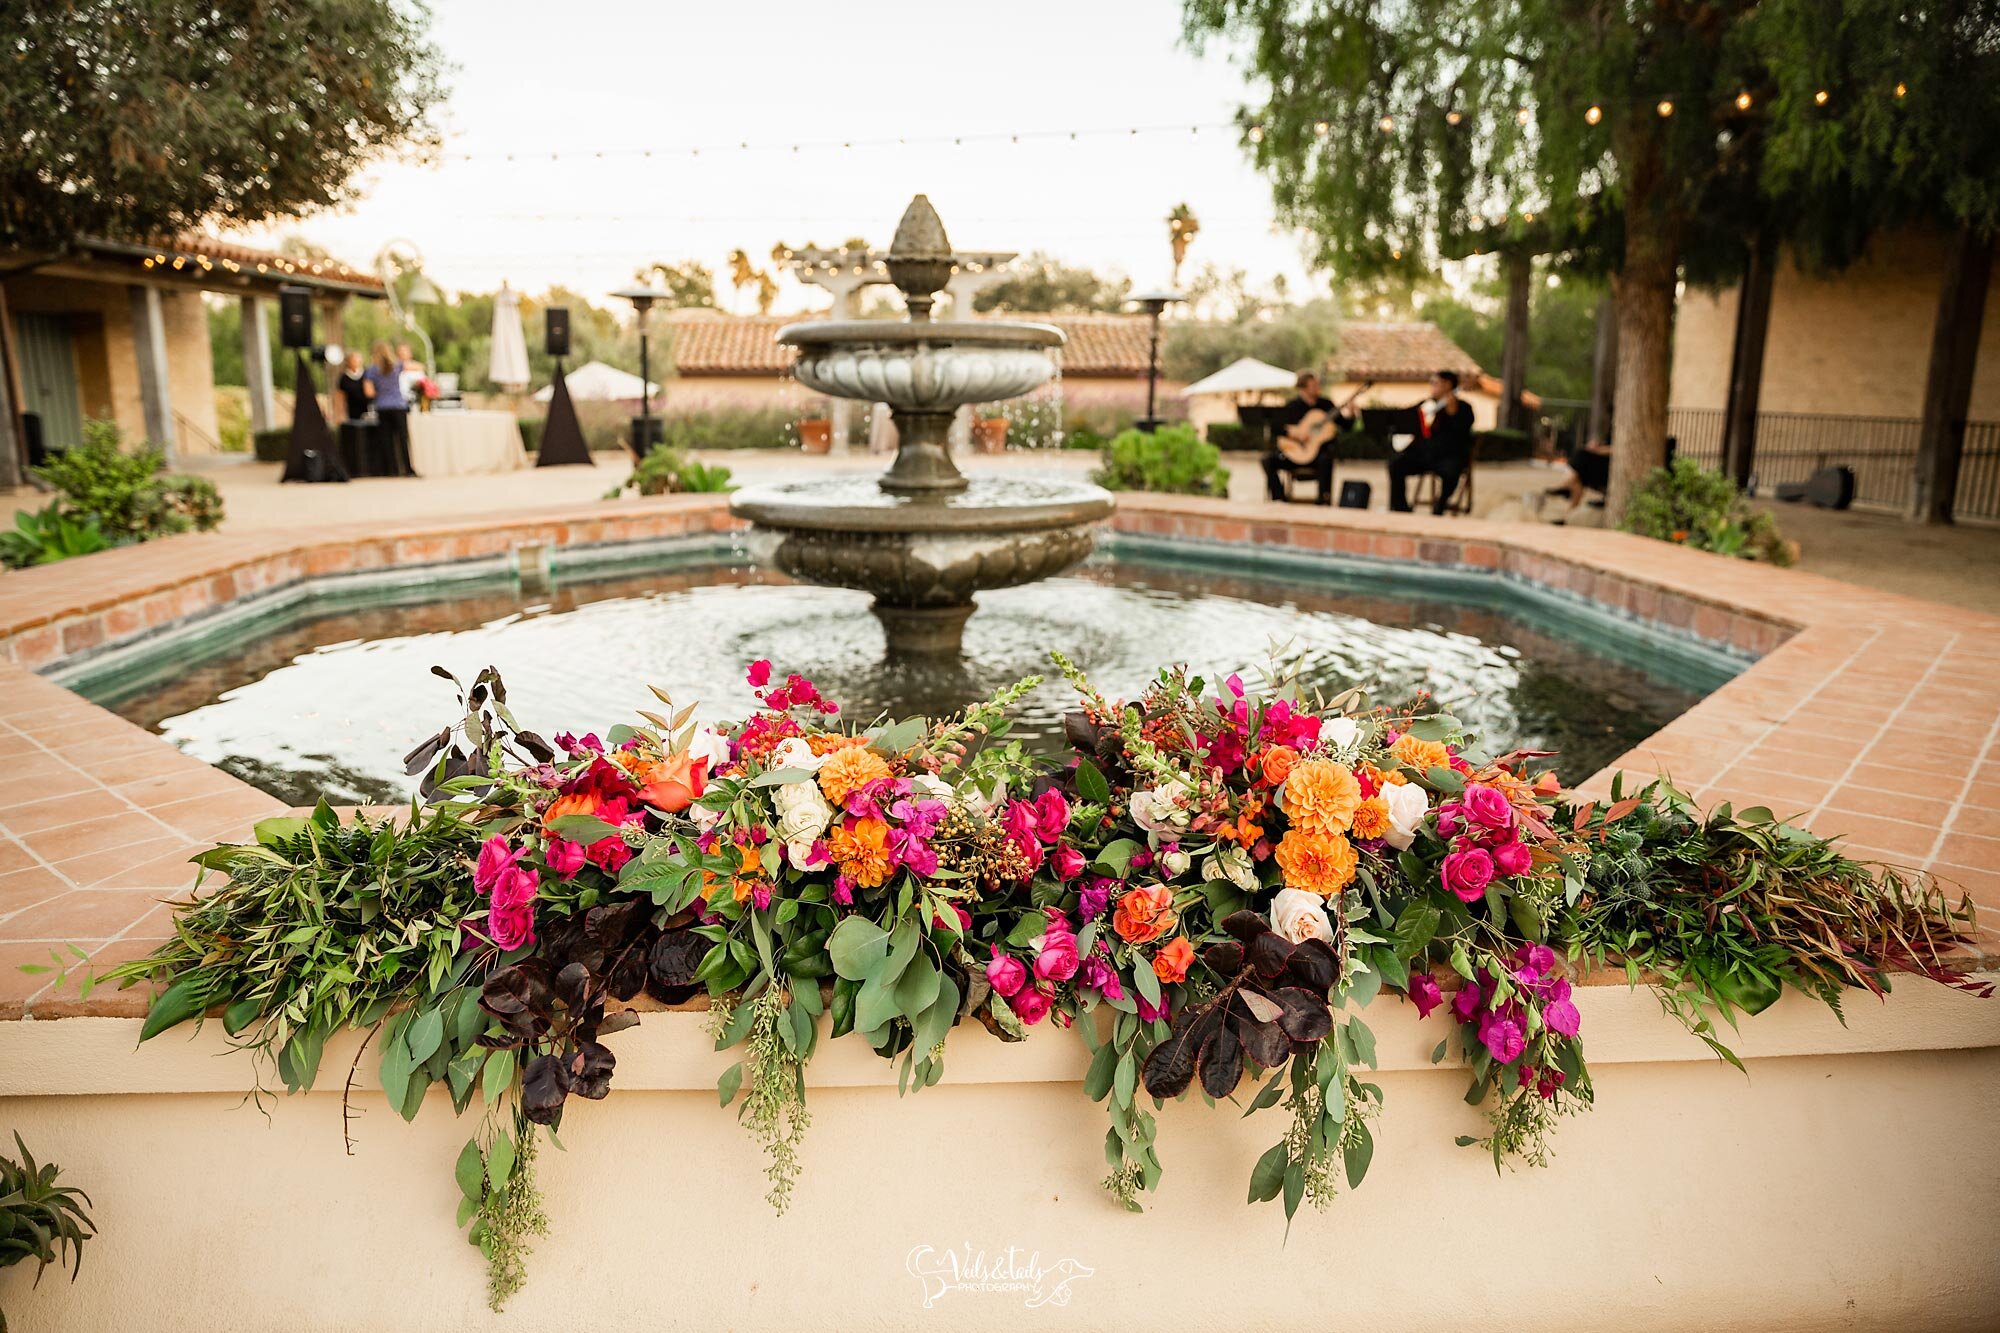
column 924, row 538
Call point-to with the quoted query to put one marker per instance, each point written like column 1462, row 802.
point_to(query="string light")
column 1665, row 108
column 1819, row 98
column 1320, row 127
column 1387, row 124
column 1256, row 134
column 1902, row 89
column 1592, row 116
column 1522, row 116
column 1743, row 100
column 1452, row 117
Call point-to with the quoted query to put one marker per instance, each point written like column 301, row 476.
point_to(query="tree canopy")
column 135, row 118
column 1042, row 283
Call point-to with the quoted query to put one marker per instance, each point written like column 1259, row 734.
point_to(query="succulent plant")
column 40, row 1219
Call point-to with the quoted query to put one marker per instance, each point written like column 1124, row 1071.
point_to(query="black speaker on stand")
column 295, row 318
column 562, row 434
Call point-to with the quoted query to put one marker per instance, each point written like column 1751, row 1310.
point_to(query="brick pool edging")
column 1865, row 713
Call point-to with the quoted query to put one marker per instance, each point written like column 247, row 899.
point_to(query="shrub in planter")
column 1687, row 504
column 271, row 446
column 1172, row 459
column 666, row 470
column 44, row 537
column 128, row 494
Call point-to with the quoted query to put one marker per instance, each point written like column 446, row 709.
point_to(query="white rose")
column 1339, row 733
column 1300, row 916
column 706, row 817
column 709, row 744
column 1157, row 809
column 799, row 851
column 986, row 802
column 931, row 787
column 1408, row 804
column 802, row 811
column 1173, row 864
column 1232, row 863
column 793, row 752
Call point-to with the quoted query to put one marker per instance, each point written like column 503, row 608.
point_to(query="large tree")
column 135, row 118
column 1398, row 133
column 1041, row 283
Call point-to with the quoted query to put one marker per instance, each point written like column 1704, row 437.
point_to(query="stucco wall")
column 1853, row 343
column 107, row 365
column 1845, row 1182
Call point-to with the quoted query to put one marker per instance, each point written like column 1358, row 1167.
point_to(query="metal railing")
column 1882, row 451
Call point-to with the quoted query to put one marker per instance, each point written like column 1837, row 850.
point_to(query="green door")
column 48, row 377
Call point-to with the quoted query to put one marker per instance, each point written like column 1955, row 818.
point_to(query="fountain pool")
column 325, row 695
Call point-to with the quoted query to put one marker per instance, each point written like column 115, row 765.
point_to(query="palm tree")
column 1182, row 227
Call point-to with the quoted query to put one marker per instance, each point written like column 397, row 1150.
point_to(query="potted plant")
column 816, row 434
column 989, row 433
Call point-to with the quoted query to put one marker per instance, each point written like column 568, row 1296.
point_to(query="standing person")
column 385, row 386
column 1444, row 448
column 1303, row 445
column 353, row 386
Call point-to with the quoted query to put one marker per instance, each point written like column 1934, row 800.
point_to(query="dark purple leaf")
column 1306, row 1017
column 1246, row 926
column 1312, row 966
column 1266, row 1043
column 545, row 1083
column 1269, row 952
column 1226, row 958
column 1221, row 1062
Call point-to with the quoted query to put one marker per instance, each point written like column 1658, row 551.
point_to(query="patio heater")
column 1154, row 304
column 643, row 436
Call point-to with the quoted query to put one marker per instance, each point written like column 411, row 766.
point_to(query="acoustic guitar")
column 1301, row 442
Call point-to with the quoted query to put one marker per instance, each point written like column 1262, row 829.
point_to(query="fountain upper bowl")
column 923, row 367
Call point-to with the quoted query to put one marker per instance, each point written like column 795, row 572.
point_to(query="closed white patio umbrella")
column 507, row 358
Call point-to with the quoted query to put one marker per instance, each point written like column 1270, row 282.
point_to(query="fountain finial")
column 920, row 258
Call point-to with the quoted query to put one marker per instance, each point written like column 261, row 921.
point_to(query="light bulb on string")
column 1320, row 127
column 1523, row 116
column 1820, row 97
column 1665, row 107
column 1256, row 134
column 1593, row 115
column 1743, row 100
column 1902, row 89
column 1452, row 117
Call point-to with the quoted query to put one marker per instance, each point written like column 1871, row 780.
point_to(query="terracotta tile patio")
column 1865, row 714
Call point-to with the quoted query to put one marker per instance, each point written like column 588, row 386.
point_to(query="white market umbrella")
column 507, row 358
column 1245, row 375
column 593, row 381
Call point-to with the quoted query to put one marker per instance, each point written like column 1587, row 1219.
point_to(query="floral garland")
column 1208, row 889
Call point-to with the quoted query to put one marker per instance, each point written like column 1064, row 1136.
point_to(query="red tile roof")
column 1398, row 351
column 192, row 247
column 706, row 342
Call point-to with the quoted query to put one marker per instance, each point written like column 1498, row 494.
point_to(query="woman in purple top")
column 385, row 387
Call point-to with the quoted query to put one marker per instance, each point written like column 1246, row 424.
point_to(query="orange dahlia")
column 1321, row 863
column 1371, row 818
column 860, row 848
column 577, row 803
column 1320, row 796
column 848, row 771
column 1423, row 756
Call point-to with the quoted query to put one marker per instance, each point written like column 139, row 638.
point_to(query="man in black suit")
column 1296, row 431
column 1444, row 447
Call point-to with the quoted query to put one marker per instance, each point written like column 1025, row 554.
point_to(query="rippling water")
column 330, row 702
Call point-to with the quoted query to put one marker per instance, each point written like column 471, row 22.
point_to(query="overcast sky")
column 622, row 78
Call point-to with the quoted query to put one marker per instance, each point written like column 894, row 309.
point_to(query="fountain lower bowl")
column 924, row 557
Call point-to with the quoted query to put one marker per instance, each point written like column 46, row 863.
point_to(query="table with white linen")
column 457, row 444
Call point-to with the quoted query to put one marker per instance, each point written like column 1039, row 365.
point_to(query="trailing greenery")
column 129, row 494
column 40, row 1219
column 1172, row 459
column 40, row 537
column 666, row 470
column 1688, row 504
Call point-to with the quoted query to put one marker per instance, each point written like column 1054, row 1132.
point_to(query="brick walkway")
column 1871, row 715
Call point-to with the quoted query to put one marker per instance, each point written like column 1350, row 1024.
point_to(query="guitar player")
column 1306, row 427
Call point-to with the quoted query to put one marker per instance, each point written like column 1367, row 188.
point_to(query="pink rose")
column 1006, row 974
column 1513, row 858
column 1067, row 862
column 1467, row 873
column 1562, row 1018
column 1487, row 806
column 1424, row 993
column 1031, row 1004
column 511, row 926
column 495, row 859
column 1051, row 814
column 514, row 887
column 1057, row 961
column 563, row 857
